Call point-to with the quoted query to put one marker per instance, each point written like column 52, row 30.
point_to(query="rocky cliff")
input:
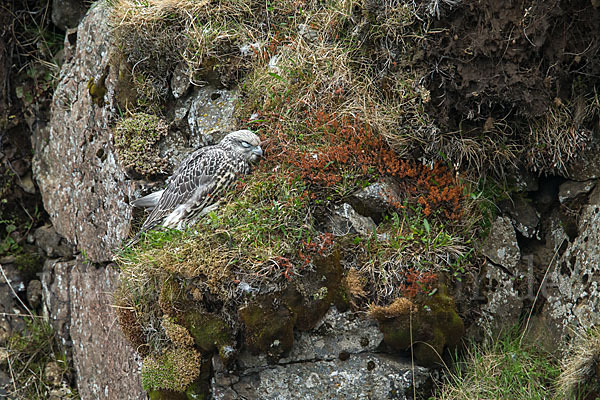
column 430, row 174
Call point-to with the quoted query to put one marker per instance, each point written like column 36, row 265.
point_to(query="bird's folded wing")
column 195, row 177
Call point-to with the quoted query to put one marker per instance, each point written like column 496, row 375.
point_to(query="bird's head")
column 244, row 143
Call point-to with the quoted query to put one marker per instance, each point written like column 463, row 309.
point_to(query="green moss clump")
column 173, row 370
column 269, row 328
column 136, row 140
column 433, row 326
column 210, row 332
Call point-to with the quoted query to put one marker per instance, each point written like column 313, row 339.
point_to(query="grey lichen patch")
column 136, row 141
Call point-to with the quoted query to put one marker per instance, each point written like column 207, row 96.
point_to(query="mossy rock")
column 269, row 328
column 210, row 332
column 435, row 326
column 197, row 390
column 173, row 370
column 136, row 140
column 270, row 321
column 310, row 298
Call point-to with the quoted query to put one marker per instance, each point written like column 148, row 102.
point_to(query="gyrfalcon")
column 199, row 181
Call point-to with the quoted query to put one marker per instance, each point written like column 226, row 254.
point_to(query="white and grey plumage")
column 199, row 181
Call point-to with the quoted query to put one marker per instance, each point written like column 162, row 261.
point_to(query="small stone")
column 67, row 13
column 344, row 355
column 376, row 199
column 53, row 245
column 4, row 354
column 180, row 82
column 9, row 259
column 346, row 221
column 571, row 189
column 47, row 239
column 61, row 393
column 26, row 183
column 5, row 330
column 307, row 33
column 34, row 293
column 524, row 216
column 501, row 246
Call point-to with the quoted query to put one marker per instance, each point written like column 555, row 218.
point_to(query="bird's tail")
column 148, row 202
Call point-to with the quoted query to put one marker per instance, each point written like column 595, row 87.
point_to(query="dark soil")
column 512, row 59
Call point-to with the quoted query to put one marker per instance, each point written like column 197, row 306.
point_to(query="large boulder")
column 78, row 298
column 572, row 288
column 336, row 359
column 83, row 187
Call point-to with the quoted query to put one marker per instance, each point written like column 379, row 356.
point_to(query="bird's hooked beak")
column 257, row 151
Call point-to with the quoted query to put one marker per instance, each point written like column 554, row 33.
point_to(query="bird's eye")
column 246, row 144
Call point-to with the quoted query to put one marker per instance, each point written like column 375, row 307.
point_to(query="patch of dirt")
column 498, row 59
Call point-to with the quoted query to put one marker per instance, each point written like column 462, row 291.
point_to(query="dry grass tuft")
column 401, row 306
column 407, row 257
column 557, row 139
column 355, row 284
column 580, row 367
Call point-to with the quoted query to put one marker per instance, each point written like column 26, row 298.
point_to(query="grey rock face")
column 211, row 109
column 83, row 187
column 573, row 293
column 504, row 304
column 524, row 216
column 79, row 301
column 501, row 246
column 571, row 189
column 336, row 359
column 586, row 165
column 55, row 294
column 346, row 221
